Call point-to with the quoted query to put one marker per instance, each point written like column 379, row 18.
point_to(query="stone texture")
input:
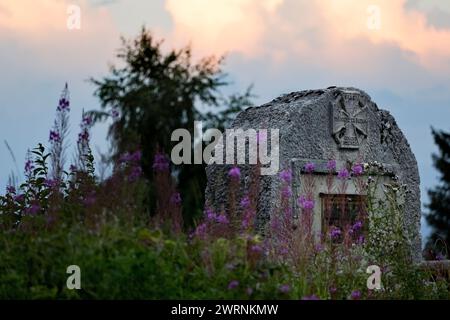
column 310, row 124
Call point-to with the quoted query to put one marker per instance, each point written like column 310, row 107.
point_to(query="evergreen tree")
column 153, row 94
column 438, row 216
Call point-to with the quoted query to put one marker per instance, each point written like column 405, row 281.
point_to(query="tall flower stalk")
column 58, row 135
column 84, row 154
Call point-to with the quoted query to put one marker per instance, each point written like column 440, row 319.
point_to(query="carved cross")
column 349, row 122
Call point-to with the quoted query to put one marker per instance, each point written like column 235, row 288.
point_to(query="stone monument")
column 317, row 125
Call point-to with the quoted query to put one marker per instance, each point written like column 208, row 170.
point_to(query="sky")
column 398, row 51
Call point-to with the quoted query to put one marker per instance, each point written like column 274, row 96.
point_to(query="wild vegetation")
column 58, row 218
column 133, row 237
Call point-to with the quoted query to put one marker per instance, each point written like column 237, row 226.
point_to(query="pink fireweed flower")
column 135, row 174
column 234, row 173
column 19, row 198
column 286, row 192
column 360, row 240
column 33, row 209
column 304, row 203
column 160, row 163
column 87, row 121
column 256, row 248
column 356, row 295
column 335, row 233
column 318, row 248
column 29, row 166
column 357, row 169
column 343, row 174
column 54, row 136
column 309, row 167
column 115, row 114
column 285, row 288
column 331, row 165
column 10, row 190
column 51, row 183
column 210, row 215
column 233, row 284
column 222, row 219
column 83, row 136
column 200, row 231
column 312, row 297
column 90, row 199
column 440, row 257
column 63, row 105
column 245, row 202
column 286, row 175
column 175, row 199
column 357, row 226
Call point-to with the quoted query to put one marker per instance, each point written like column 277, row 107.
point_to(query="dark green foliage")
column 439, row 206
column 155, row 93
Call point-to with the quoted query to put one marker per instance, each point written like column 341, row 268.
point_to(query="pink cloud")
column 317, row 30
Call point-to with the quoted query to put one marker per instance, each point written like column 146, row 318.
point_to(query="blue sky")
column 277, row 45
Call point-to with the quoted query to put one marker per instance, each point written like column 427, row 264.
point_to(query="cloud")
column 37, row 30
column 313, row 28
column 222, row 25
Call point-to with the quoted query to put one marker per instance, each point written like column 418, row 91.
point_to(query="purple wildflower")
column 356, row 295
column 286, row 175
column 175, row 199
column 318, row 248
column 245, row 202
column 29, row 166
column 285, row 288
column 51, row 183
column 332, row 290
column 160, row 163
column 286, row 192
column 87, row 121
column 360, row 240
column 357, row 169
column 90, row 199
column 343, row 174
column 309, row 167
column 335, row 233
column 19, row 198
column 249, row 291
column 200, row 231
column 54, row 136
column 246, row 220
column 135, row 174
column 256, row 248
column 306, row 204
column 115, row 114
column 312, row 297
column 210, row 215
column 222, row 219
column 63, row 105
column 83, row 136
column 235, row 173
column 357, row 226
column 440, row 256
column 10, row 189
column 33, row 209
column 331, row 165
column 233, row 285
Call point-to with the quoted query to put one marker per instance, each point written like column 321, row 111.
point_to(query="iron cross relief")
column 349, row 122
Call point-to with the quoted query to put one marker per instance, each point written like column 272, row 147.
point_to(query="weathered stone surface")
column 333, row 123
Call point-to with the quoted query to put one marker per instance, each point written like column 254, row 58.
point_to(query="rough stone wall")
column 305, row 121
